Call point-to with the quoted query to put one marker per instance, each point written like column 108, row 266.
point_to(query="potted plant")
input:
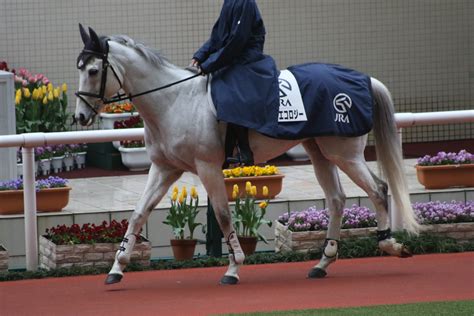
column 133, row 153
column 446, row 170
column 79, row 152
column 248, row 216
column 116, row 112
column 44, row 155
column 58, row 157
column 182, row 213
column 88, row 245
column 268, row 176
column 52, row 195
column 68, row 159
column 40, row 107
column 3, row 259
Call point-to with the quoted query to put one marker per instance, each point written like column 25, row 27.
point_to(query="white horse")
column 182, row 134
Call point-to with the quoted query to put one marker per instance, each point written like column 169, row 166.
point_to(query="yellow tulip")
column 175, row 189
column 17, row 100
column 44, row 89
column 56, row 93
column 265, row 191
column 184, row 192
column 174, row 196
column 40, row 94
column 35, row 94
column 18, row 93
column 253, row 191
column 50, row 96
column 236, row 188
column 194, row 193
column 234, row 195
column 26, row 92
column 45, row 100
column 64, row 87
column 263, row 204
column 181, row 199
column 248, row 187
column 50, row 87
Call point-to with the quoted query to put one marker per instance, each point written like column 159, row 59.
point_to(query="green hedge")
column 349, row 248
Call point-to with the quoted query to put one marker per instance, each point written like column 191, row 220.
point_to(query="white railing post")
column 395, row 217
column 29, row 199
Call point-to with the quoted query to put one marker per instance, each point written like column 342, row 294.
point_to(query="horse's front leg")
column 212, row 179
column 158, row 182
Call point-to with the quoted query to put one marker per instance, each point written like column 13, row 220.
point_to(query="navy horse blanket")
column 315, row 100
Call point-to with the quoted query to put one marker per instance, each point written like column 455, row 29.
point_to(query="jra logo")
column 342, row 104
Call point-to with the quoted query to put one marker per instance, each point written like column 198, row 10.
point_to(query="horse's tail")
column 389, row 154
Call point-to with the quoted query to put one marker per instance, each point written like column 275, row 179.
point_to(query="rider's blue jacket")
column 242, row 76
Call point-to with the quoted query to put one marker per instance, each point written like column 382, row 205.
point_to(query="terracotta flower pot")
column 47, row 200
column 446, row 176
column 248, row 244
column 274, row 184
column 183, row 249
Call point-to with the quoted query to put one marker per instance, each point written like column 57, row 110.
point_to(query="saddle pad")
column 337, row 102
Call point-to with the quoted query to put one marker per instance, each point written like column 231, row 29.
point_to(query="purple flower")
column 51, row 182
column 443, row 158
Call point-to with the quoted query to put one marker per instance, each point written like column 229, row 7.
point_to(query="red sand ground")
column 358, row 282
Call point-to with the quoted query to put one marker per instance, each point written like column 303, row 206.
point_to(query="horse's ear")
column 84, row 35
column 95, row 41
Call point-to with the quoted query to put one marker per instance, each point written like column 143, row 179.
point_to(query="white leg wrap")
column 329, row 255
column 234, row 248
column 233, row 269
column 391, row 247
column 117, row 268
column 126, row 247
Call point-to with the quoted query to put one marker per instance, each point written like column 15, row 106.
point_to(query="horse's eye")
column 93, row 72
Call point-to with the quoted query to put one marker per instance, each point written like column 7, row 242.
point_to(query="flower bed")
column 306, row 230
column 89, row 245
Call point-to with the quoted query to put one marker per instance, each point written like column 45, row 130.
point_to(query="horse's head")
column 98, row 80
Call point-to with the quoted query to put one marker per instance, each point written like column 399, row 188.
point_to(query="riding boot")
column 230, row 143
column 246, row 155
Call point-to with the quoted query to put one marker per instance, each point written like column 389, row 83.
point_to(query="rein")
column 122, row 97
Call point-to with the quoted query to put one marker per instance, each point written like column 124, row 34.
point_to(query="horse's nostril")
column 82, row 118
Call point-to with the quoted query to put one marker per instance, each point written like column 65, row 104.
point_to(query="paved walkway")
column 354, row 282
column 122, row 193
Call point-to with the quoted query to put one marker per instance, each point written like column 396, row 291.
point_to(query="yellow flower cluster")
column 251, row 191
column 44, row 93
column 251, row 171
column 175, row 196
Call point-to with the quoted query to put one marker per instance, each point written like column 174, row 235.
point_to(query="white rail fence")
column 29, row 141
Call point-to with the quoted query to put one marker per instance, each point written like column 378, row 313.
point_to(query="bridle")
column 120, row 96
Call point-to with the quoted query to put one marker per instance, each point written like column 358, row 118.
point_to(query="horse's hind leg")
column 356, row 168
column 328, row 178
column 158, row 182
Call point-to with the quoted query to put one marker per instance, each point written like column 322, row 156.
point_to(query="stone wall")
column 3, row 259
column 286, row 240
column 54, row 256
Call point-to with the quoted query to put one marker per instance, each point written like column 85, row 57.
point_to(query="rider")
column 241, row 74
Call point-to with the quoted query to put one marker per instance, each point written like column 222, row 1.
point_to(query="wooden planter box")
column 286, row 240
column 273, row 182
column 446, row 176
column 47, row 200
column 3, row 259
column 54, row 256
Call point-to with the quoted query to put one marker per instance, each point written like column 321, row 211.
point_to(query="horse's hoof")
column 316, row 273
column 405, row 253
column 113, row 278
column 229, row 280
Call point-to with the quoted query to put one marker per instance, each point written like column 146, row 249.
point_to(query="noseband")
column 120, row 96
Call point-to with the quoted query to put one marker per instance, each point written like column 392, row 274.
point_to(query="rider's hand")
column 195, row 64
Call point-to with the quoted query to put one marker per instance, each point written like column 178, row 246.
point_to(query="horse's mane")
column 152, row 55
